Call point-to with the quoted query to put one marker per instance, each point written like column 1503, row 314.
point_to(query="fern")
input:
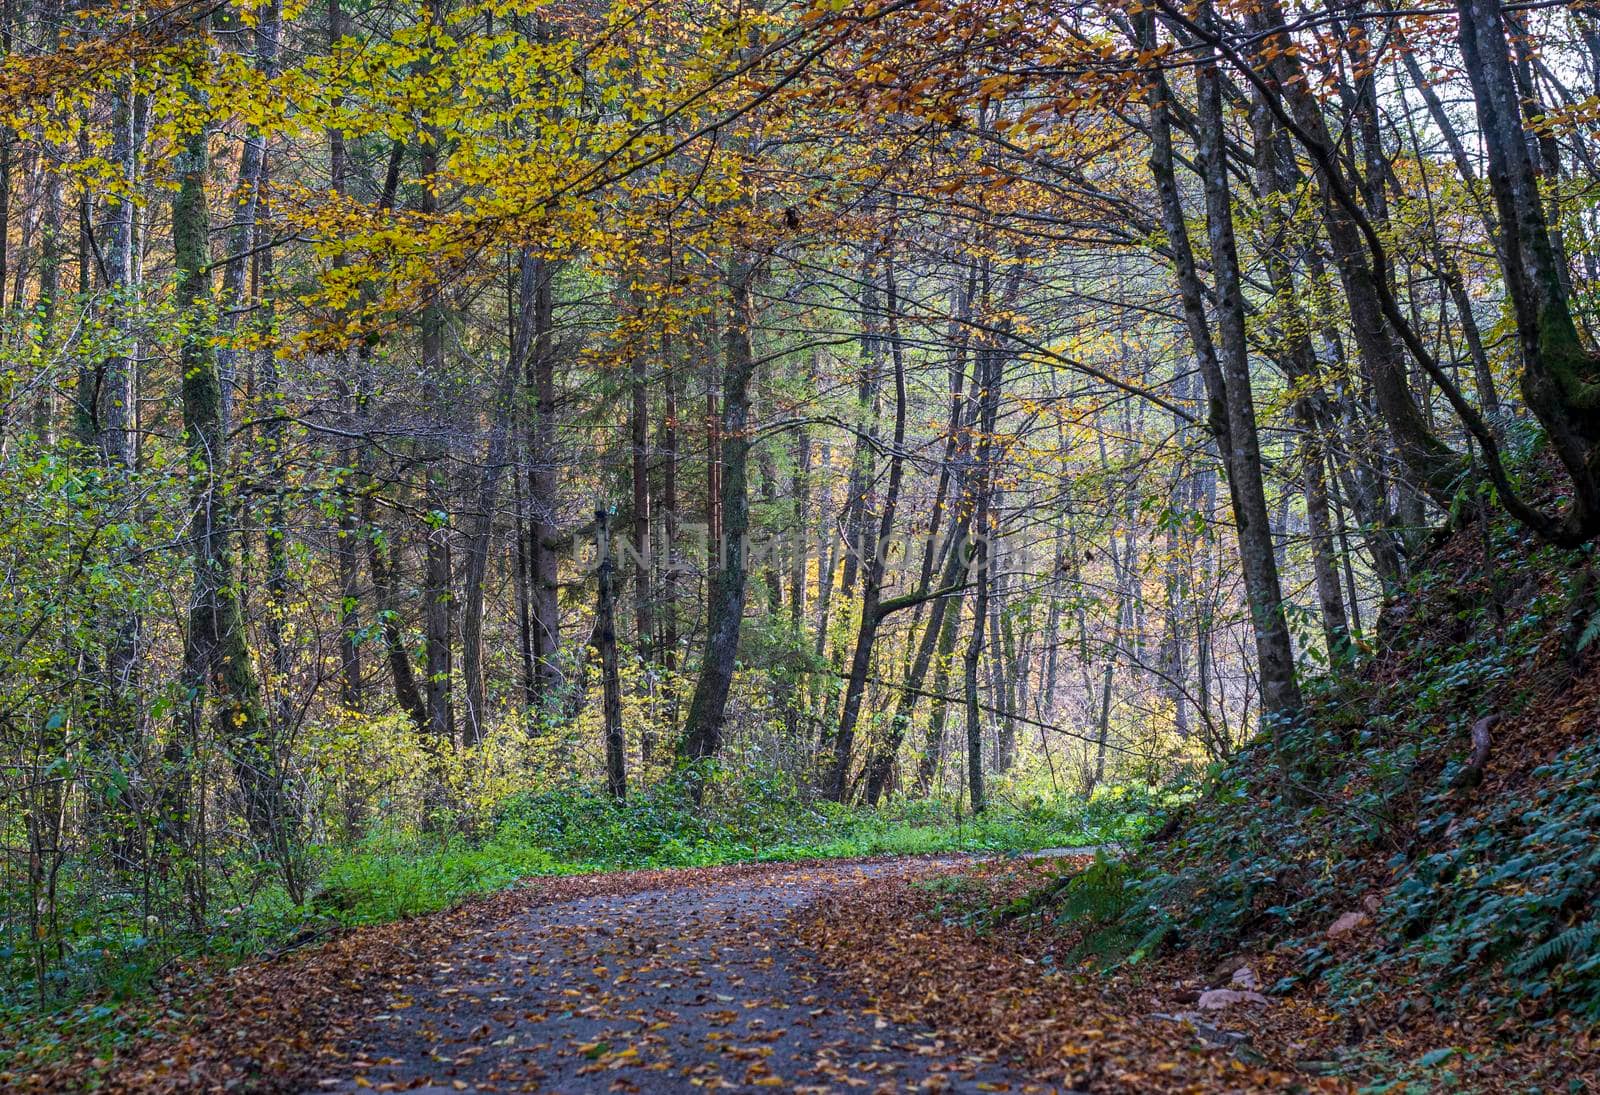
column 1103, row 897
column 1572, row 944
column 1591, row 631
column 1152, row 941
column 1098, row 893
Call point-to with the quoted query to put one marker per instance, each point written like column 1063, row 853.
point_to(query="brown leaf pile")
column 997, row 991
column 1136, row 1031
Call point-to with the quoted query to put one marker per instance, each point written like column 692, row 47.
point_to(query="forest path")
column 677, row 989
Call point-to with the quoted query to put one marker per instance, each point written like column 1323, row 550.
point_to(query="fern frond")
column 1577, row 942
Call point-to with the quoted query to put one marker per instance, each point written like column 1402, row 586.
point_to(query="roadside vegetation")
column 1413, row 902
column 95, row 998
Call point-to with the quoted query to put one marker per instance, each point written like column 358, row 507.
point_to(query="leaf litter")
column 648, row 981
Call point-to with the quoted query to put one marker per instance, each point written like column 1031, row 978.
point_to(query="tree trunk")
column 277, row 531
column 605, row 632
column 944, row 656
column 863, row 471
column 639, row 453
column 383, row 559
column 543, row 495
column 1280, row 690
column 352, row 398
column 44, row 418
column 1561, row 377
column 988, row 380
column 216, row 656
column 1224, row 364
column 106, row 411
column 668, row 523
column 772, row 573
column 800, row 555
column 980, row 614
column 1009, row 669
column 873, row 564
column 715, row 544
column 827, row 556
column 1435, row 466
column 437, row 594
column 702, row 736
column 1298, row 361
column 480, row 531
column 881, row 761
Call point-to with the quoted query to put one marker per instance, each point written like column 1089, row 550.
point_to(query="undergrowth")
column 578, row 829
column 1478, row 897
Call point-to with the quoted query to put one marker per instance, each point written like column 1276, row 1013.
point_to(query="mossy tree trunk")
column 217, row 661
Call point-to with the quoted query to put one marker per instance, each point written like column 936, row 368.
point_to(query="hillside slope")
column 1429, row 837
column 1408, row 879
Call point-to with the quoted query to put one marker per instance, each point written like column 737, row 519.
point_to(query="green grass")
column 573, row 831
column 391, row 877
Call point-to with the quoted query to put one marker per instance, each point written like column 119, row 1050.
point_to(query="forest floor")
column 731, row 978
column 656, row 980
column 683, row 988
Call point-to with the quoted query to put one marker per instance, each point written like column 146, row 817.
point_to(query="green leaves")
column 1590, row 631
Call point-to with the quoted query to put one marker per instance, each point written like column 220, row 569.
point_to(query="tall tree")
column 217, row 658
column 702, row 735
column 1224, row 365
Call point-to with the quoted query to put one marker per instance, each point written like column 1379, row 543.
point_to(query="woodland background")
column 533, row 433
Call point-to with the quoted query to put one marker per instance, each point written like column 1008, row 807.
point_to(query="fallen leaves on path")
column 279, row 1025
column 1148, row 1029
column 645, row 981
column 704, row 980
column 673, row 990
column 1003, row 991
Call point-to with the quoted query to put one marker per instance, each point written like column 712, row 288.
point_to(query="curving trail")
column 683, row 989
